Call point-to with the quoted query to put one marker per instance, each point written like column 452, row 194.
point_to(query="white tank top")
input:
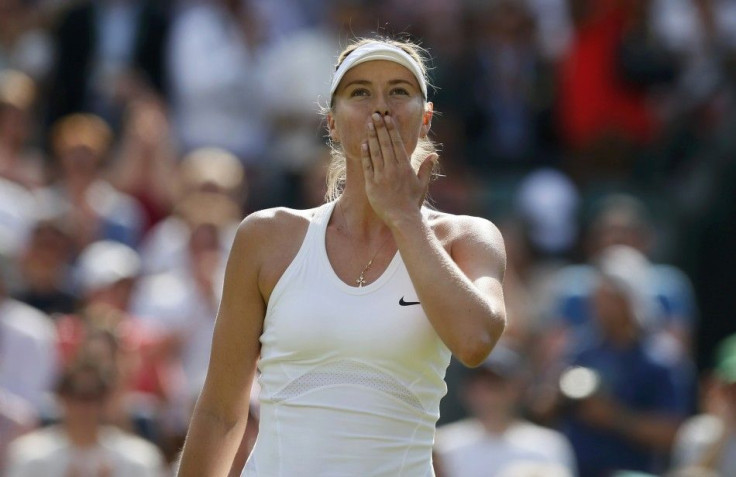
column 351, row 378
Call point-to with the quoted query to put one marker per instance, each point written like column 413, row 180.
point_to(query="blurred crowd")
column 599, row 135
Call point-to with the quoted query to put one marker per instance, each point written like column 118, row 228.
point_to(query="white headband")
column 378, row 51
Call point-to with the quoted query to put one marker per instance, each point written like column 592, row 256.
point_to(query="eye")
column 400, row 91
column 359, row 92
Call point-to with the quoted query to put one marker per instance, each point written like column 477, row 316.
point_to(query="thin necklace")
column 360, row 281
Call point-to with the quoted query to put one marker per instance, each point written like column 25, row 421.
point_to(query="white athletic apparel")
column 351, row 378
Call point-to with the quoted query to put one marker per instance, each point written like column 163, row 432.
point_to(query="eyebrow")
column 391, row 82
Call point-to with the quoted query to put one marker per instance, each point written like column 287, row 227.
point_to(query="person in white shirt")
column 81, row 445
column 496, row 438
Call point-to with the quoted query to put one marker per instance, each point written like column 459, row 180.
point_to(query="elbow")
column 472, row 358
column 477, row 348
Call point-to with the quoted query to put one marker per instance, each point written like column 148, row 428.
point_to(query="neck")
column 82, row 433
column 361, row 221
column 77, row 184
column 623, row 336
column 496, row 423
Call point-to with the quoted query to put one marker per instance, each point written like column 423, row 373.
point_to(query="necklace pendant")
column 361, row 280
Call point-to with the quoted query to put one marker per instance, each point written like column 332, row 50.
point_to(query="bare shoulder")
column 453, row 229
column 278, row 224
column 271, row 238
column 474, row 243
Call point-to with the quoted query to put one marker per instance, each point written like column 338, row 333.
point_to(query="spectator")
column 630, row 421
column 146, row 160
column 87, row 201
column 496, row 437
column 216, row 92
column 44, row 268
column 19, row 163
column 622, row 219
column 209, row 172
column 107, row 272
column 82, row 444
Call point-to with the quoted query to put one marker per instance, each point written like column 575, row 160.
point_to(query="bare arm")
column 460, row 290
column 219, row 418
column 650, row 429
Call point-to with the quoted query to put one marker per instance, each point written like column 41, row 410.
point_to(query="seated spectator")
column 146, row 160
column 496, row 437
column 707, row 442
column 621, row 405
column 88, row 202
column 212, row 171
column 107, row 272
column 621, row 219
column 81, row 444
column 44, row 268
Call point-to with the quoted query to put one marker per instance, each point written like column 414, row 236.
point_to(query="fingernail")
column 371, row 127
column 364, row 147
column 388, row 119
column 376, row 117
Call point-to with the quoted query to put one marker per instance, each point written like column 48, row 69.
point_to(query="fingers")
column 425, row 169
column 374, row 146
column 397, row 144
column 380, row 126
column 425, row 174
column 365, row 157
column 384, row 139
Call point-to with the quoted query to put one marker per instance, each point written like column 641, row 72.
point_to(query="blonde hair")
column 81, row 129
column 336, row 170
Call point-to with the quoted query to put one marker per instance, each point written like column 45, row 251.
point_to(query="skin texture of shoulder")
column 274, row 237
column 459, row 232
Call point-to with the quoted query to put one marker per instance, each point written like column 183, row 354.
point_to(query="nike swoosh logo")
column 407, row 303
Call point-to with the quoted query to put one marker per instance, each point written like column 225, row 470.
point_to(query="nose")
column 381, row 105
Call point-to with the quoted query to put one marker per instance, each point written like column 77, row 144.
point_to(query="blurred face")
column 86, row 402
column 14, row 124
column 612, row 309
column 378, row 86
column 116, row 295
column 79, row 161
column 617, row 228
column 486, row 394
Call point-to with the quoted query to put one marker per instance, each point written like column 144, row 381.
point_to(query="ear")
column 331, row 129
column 427, row 120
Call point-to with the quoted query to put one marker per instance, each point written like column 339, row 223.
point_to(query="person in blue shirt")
column 628, row 416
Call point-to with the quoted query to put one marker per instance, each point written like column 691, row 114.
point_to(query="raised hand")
column 394, row 189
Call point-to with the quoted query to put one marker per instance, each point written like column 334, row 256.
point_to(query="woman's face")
column 378, row 86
